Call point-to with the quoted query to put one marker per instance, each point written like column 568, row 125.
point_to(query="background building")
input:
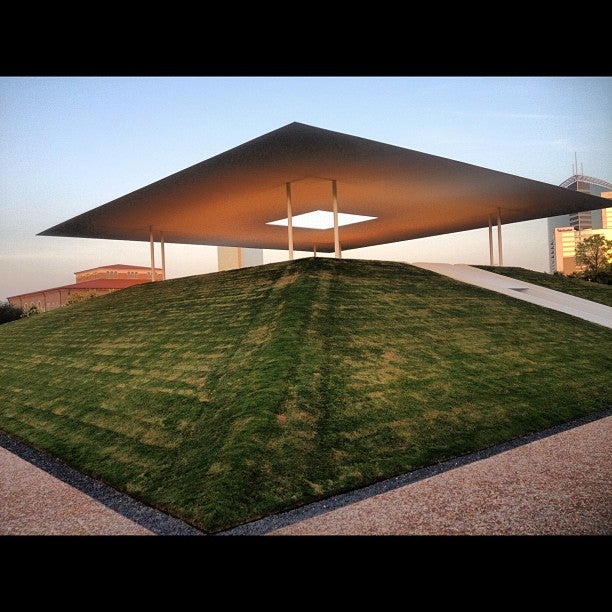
column 566, row 231
column 104, row 279
column 232, row 258
column 118, row 271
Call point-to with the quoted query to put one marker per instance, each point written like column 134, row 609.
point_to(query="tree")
column 594, row 255
column 80, row 296
column 30, row 312
column 8, row 312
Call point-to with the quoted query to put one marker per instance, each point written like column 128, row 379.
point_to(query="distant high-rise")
column 590, row 219
column 232, row 258
column 566, row 231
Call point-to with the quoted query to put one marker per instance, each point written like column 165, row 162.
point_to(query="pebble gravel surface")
column 33, row 502
column 40, row 495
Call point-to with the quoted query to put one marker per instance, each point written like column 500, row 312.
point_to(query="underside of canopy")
column 230, row 199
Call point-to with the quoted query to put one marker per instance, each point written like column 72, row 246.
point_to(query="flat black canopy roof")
column 229, row 199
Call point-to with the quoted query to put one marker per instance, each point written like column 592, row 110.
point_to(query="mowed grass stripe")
column 225, row 397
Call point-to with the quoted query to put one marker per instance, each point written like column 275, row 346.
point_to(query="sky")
column 70, row 144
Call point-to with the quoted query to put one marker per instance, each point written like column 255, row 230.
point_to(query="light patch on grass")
column 136, row 372
column 259, row 335
column 118, row 345
column 151, row 436
column 217, row 468
column 292, row 415
column 185, row 425
column 285, row 280
column 107, row 368
column 339, row 455
column 315, row 488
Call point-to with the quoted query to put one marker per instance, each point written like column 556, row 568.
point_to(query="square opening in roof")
column 321, row 220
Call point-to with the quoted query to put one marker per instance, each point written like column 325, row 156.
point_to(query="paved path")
column 560, row 485
column 528, row 292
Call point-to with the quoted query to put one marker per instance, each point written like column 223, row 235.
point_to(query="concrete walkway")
column 548, row 298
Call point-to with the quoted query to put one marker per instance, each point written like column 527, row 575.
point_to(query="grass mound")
column 225, row 397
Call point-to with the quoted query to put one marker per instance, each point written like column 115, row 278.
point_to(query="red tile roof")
column 105, row 283
column 102, row 283
column 118, row 267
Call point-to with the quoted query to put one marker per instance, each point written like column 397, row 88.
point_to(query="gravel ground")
column 560, row 485
column 33, row 502
column 40, row 495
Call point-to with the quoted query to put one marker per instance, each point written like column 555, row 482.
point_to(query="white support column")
column 163, row 255
column 336, row 235
column 289, row 221
column 152, row 254
column 490, row 241
column 499, row 239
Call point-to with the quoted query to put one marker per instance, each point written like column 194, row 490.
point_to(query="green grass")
column 596, row 292
column 225, row 397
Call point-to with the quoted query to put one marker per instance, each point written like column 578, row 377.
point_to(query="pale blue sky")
column 69, row 144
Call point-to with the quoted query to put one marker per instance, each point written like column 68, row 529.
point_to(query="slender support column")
column 163, row 255
column 152, row 254
column 490, row 241
column 336, row 235
column 289, row 221
column 499, row 239
column 314, row 250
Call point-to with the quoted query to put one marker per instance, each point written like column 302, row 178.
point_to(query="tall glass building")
column 565, row 231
